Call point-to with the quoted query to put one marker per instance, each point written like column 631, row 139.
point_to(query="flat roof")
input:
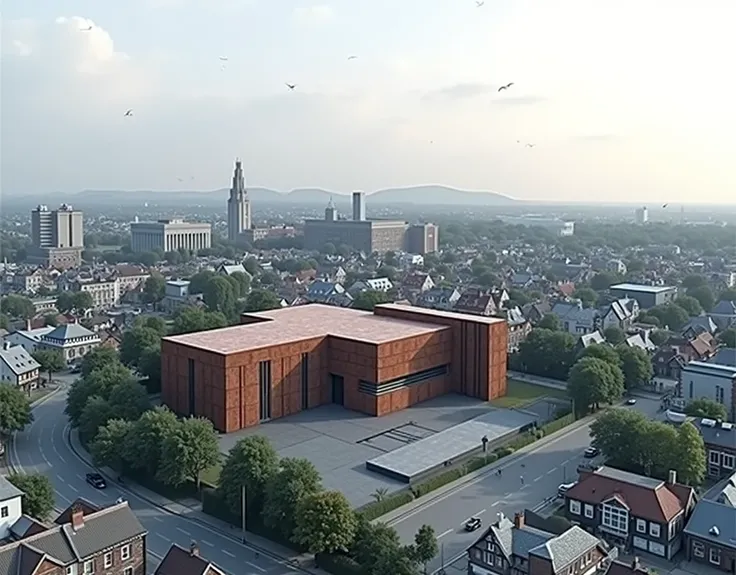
column 641, row 288
column 300, row 323
column 439, row 313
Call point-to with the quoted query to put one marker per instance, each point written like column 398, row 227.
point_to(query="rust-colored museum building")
column 279, row 362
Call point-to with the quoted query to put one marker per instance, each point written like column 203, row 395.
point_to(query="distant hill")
column 439, row 195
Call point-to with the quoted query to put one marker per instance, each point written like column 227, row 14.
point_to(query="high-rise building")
column 57, row 236
column 330, row 212
column 238, row 206
column 641, row 215
column 422, row 239
column 359, row 206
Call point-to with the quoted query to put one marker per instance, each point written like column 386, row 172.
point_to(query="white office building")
column 170, row 236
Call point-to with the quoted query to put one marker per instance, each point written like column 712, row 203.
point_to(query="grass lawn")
column 519, row 393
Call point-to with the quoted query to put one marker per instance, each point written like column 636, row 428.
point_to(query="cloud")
column 317, row 14
column 459, row 92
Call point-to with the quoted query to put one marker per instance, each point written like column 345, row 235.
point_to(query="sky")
column 624, row 100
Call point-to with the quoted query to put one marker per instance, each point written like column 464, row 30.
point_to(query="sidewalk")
column 192, row 510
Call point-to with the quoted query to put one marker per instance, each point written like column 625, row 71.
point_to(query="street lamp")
column 244, row 510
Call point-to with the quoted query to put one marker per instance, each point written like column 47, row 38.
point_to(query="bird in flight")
column 290, row 86
column 223, row 58
column 129, row 112
column 530, row 145
column 87, row 29
column 479, row 3
column 505, row 87
column 180, row 179
column 352, row 57
column 665, row 205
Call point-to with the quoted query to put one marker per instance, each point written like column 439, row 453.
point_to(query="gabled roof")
column 180, row 561
column 562, row 550
column 8, row 490
column 69, row 331
column 18, row 360
column 714, row 522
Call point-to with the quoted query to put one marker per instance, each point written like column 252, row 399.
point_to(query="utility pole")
column 244, row 510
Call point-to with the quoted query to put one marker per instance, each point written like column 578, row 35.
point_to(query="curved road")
column 43, row 448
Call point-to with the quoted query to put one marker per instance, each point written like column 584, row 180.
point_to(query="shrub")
column 437, row 481
column 378, row 508
column 338, row 564
column 558, row 424
column 479, row 462
column 213, row 504
column 504, row 451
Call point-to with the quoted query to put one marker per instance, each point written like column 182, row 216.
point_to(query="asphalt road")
column 524, row 484
column 43, row 447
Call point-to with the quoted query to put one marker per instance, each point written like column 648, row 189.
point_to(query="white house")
column 73, row 340
column 621, row 313
column 373, row 284
column 710, row 380
column 10, row 507
column 17, row 367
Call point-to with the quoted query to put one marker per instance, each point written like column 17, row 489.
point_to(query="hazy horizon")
column 619, row 108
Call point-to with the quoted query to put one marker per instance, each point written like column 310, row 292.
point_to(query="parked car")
column 631, row 401
column 591, row 452
column 473, row 523
column 96, row 480
column 589, row 467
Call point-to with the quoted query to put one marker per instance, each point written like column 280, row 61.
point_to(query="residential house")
column 477, row 302
column 723, row 314
column 710, row 380
column 678, row 351
column 411, row 260
column 535, row 312
column 332, row 273
column 30, row 281
column 176, row 296
column 72, row 340
column 105, row 292
column 371, row 284
column 576, row 319
column 110, row 541
column 588, row 339
column 17, row 367
column 620, row 313
column 329, row 293
column 130, row 277
column 616, row 266
column 180, row 561
column 10, row 507
column 417, row 283
column 522, row 280
column 724, row 356
column 230, row 269
column 720, row 446
column 439, row 298
column 514, row 548
column 697, row 325
column 519, row 327
column 631, row 511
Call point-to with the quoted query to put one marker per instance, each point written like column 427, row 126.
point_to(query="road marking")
column 441, row 535
column 261, row 569
column 164, row 538
column 551, row 471
column 226, row 552
column 158, row 519
column 481, row 512
column 80, row 477
column 184, row 532
column 207, row 543
column 537, row 479
column 507, row 495
column 495, row 503
column 74, row 489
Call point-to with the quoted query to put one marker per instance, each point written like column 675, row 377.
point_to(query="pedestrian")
column 522, row 479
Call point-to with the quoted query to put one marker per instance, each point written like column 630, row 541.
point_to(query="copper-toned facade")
column 284, row 361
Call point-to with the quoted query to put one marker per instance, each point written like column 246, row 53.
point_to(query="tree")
column 636, row 366
column 83, row 301
column 371, row 542
column 325, row 522
column 199, row 280
column 368, row 299
column 690, row 305
column 704, row 407
column 38, row 494
column 191, row 319
column 17, row 306
column 728, row 337
column 547, row 353
column 691, row 462
column 96, row 413
column 154, row 289
column 129, row 400
column 670, row 315
column 603, row 280
column 143, row 443
column 727, row 294
column 149, row 366
column 616, row 431
column 65, row 302
column 587, row 296
column 243, row 283
column 550, row 321
column 693, row 280
column 601, row 351
column 250, row 464
column 134, row 342
column 4, row 321
column 593, row 381
column 425, row 545
column 219, row 295
column 155, row 323
column 51, row 360
column 191, row 449
column 262, row 300
column 99, row 382
column 15, row 410
column 614, row 335
column 50, row 320
column 108, row 446
column 704, row 295
column 296, row 479
column 97, row 358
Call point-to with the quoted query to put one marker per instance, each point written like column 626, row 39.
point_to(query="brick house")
column 710, row 535
column 719, row 438
column 631, row 511
column 180, row 561
column 109, row 540
column 514, row 548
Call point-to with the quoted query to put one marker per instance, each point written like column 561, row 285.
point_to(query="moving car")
column 631, row 401
column 564, row 488
column 591, row 452
column 473, row 523
column 96, row 480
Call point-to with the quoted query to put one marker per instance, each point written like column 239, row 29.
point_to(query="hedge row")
column 338, row 564
column 375, row 510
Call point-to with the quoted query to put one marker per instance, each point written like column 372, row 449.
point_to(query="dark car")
column 96, row 480
column 473, row 523
column 591, row 452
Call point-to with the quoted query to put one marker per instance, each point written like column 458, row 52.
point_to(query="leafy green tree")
column 154, row 289
column 369, row 299
column 603, row 280
column 691, row 462
column 83, row 301
column 50, row 320
column 616, row 431
column 587, row 296
column 295, row 479
column 129, row 400
column 96, row 413
column 4, row 321
column 550, row 321
column 728, row 337
column 134, row 342
column 704, row 407
column 199, row 280
column 372, row 540
column 261, row 300
column 547, row 353
column 17, row 306
column 191, row 319
column 614, row 335
column 658, row 337
column 51, row 360
column 649, row 319
column 636, row 365
column 65, row 302
column 99, row 382
column 593, row 381
column 219, row 295
column 251, row 463
column 425, row 545
column 155, row 323
column 150, row 367
column 325, row 522
column 693, row 281
column 670, row 315
column 15, row 410
column 690, row 305
column 108, row 447
column 97, row 358
column 601, row 351
column 243, row 283
column 143, row 443
column 188, row 451
column 727, row 295
column 38, row 494
column 704, row 295
column 397, row 562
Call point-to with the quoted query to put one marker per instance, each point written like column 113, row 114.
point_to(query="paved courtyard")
column 339, row 442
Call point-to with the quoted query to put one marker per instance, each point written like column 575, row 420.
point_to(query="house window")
column 128, row 571
column 715, row 556
column 89, row 567
column 654, row 529
column 714, row 457
column 574, row 507
column 691, row 390
column 615, row 519
column 698, row 549
column 589, row 511
column 70, row 570
column 641, row 526
column 727, row 460
column 4, row 511
column 125, row 552
column 108, row 560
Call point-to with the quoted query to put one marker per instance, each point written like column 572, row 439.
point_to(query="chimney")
column 28, row 325
column 519, row 520
column 672, row 477
column 6, row 345
column 77, row 517
column 194, row 549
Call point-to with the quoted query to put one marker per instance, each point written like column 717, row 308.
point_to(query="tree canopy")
column 594, row 381
column 51, row 360
column 546, row 353
column 295, row 480
column 368, row 299
column 190, row 319
column 325, row 522
column 17, row 306
column 38, row 494
column 15, row 409
column 251, row 463
column 262, row 300
column 704, row 407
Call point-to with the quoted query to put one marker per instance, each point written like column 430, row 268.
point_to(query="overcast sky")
column 625, row 100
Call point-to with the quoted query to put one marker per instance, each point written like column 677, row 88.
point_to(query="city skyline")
column 643, row 120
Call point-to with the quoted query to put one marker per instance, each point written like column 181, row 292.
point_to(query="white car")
column 631, row 401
